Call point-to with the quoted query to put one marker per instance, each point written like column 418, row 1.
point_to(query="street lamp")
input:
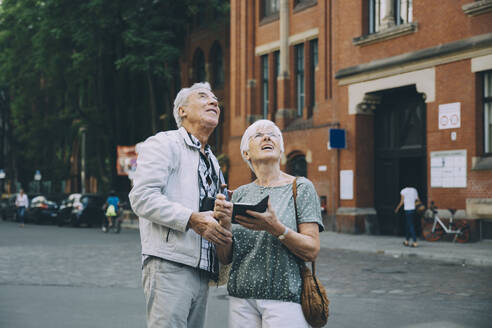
column 83, row 133
column 37, row 178
column 2, row 177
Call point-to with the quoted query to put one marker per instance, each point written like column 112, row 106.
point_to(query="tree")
column 91, row 63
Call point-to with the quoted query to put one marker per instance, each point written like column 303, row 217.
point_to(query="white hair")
column 251, row 131
column 182, row 98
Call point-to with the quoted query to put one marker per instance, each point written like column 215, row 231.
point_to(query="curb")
column 445, row 258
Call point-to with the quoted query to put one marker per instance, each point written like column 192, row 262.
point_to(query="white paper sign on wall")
column 448, row 169
column 346, row 184
column 450, row 116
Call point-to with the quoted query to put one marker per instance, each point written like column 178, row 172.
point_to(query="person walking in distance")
column 112, row 208
column 21, row 202
column 176, row 179
column 409, row 196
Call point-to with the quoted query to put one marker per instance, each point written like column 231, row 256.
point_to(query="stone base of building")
column 356, row 220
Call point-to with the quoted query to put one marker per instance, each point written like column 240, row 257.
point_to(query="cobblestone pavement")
column 50, row 255
column 374, row 290
column 353, row 273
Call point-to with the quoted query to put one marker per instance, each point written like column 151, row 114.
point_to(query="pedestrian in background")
column 21, row 202
column 265, row 278
column 409, row 196
column 112, row 208
column 176, row 179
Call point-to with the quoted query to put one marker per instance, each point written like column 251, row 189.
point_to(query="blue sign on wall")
column 338, row 138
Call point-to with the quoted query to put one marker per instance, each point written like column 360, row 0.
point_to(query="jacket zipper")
column 200, row 239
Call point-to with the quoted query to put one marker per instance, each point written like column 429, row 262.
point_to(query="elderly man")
column 176, row 172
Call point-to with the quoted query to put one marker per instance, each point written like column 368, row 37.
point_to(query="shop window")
column 401, row 10
column 487, row 111
column 264, row 86
column 299, row 71
column 270, row 8
column 217, row 58
column 199, row 66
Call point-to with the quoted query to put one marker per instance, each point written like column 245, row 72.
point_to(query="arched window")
column 297, row 165
column 199, row 66
column 217, row 59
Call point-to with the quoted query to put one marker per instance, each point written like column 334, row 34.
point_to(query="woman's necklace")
column 271, row 184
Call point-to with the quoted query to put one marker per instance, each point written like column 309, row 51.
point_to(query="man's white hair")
column 182, row 98
column 252, row 130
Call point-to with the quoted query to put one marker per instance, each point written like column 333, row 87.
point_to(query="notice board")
column 448, row 169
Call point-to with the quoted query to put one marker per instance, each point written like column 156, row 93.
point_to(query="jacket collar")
column 186, row 137
column 192, row 143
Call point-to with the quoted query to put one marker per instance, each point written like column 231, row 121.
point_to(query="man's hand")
column 204, row 224
column 223, row 211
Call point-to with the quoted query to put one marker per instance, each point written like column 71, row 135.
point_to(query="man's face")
column 202, row 108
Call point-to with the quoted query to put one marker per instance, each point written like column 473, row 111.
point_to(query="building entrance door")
column 400, row 154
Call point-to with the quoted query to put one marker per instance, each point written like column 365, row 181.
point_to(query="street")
column 79, row 277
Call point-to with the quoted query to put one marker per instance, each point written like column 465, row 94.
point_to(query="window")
column 296, row 2
column 276, row 59
column 276, row 72
column 314, row 63
column 401, row 12
column 299, row 60
column 487, row 111
column 199, row 66
column 217, row 66
column 270, row 7
column 297, row 165
column 304, row 3
column 264, row 85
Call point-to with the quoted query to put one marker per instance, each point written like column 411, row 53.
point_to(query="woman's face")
column 264, row 145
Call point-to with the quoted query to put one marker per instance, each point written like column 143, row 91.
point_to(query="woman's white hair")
column 182, row 98
column 252, row 130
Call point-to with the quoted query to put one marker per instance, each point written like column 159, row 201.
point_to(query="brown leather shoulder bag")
column 314, row 301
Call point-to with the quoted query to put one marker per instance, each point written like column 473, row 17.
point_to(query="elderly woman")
column 268, row 248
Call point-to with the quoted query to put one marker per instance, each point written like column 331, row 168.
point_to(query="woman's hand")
column 266, row 221
column 305, row 243
column 223, row 211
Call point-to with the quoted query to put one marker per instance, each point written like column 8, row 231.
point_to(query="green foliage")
column 92, row 63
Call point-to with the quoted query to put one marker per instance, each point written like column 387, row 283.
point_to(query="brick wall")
column 338, row 23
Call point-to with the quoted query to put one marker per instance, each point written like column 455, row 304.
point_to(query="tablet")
column 240, row 208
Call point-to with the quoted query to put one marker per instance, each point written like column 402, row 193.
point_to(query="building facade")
column 409, row 86
column 206, row 58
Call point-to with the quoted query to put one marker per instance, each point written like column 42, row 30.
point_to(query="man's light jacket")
column 165, row 192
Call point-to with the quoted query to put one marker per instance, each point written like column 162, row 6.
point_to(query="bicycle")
column 115, row 223
column 461, row 230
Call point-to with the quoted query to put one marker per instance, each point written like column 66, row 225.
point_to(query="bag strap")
column 294, row 192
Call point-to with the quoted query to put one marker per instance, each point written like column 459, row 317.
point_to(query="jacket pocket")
column 169, row 237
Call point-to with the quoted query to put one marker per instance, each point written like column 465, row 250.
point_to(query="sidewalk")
column 476, row 253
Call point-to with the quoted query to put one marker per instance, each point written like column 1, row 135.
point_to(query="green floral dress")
column 262, row 267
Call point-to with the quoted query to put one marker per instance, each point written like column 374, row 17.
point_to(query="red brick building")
column 410, row 86
column 206, row 58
